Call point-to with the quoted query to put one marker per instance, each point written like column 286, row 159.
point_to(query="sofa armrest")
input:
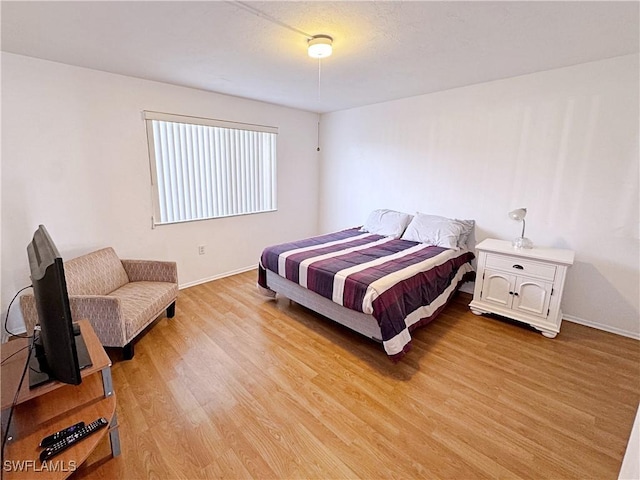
column 29, row 312
column 105, row 315
column 103, row 312
column 151, row 271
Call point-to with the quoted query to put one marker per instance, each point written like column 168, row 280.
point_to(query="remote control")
column 72, row 439
column 64, row 433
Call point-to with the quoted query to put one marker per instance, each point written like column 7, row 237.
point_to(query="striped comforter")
column 402, row 284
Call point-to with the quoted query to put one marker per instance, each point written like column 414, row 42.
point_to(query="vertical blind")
column 204, row 168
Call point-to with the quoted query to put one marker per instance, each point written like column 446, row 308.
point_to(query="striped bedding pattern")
column 402, row 284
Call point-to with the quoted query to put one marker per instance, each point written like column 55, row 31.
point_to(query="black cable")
column 6, row 318
column 14, row 354
column 15, row 398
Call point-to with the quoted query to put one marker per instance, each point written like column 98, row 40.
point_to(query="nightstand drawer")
column 518, row 266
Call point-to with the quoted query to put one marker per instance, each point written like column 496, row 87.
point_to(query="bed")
column 381, row 282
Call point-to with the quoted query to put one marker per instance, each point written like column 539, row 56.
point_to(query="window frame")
column 151, row 116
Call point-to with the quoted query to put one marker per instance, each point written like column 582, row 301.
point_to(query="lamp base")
column 522, row 242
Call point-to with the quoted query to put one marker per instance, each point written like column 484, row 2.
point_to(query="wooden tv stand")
column 51, row 407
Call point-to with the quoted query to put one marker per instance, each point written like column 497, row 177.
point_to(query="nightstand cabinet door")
column 497, row 287
column 532, row 297
column 521, row 284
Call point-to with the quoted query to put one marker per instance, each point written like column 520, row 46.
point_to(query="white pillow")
column 465, row 236
column 388, row 223
column 435, row 230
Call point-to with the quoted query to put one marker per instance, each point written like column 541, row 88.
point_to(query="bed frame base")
column 360, row 322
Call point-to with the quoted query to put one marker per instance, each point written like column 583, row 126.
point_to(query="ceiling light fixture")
column 320, row 46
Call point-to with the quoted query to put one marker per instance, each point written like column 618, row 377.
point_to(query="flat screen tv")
column 60, row 351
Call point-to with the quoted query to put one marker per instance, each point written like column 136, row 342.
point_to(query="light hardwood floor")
column 239, row 386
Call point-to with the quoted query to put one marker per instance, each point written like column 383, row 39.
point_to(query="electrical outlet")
column 200, row 249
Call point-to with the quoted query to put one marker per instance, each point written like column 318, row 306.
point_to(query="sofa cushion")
column 142, row 302
column 97, row 273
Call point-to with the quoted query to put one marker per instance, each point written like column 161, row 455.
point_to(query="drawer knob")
column 519, row 267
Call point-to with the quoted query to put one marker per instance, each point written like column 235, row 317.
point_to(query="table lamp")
column 518, row 215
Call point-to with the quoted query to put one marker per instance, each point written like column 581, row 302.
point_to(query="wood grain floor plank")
column 238, row 386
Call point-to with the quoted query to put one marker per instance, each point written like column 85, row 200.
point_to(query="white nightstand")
column 522, row 284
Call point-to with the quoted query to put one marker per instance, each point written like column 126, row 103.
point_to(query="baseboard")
column 217, row 277
column 600, row 326
column 4, row 337
column 468, row 287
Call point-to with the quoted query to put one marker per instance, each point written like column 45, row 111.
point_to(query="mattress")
column 401, row 284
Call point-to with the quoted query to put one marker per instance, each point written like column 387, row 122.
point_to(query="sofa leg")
column 127, row 351
column 171, row 310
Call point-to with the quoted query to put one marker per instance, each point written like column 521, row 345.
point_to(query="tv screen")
column 59, row 353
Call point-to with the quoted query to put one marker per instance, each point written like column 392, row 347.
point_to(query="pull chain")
column 319, row 78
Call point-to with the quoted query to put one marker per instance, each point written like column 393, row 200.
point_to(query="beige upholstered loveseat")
column 119, row 297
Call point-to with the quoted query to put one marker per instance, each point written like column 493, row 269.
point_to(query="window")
column 202, row 168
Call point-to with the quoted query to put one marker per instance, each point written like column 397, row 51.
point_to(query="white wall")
column 74, row 158
column 563, row 143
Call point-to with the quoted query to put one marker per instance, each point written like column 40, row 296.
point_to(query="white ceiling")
column 382, row 50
